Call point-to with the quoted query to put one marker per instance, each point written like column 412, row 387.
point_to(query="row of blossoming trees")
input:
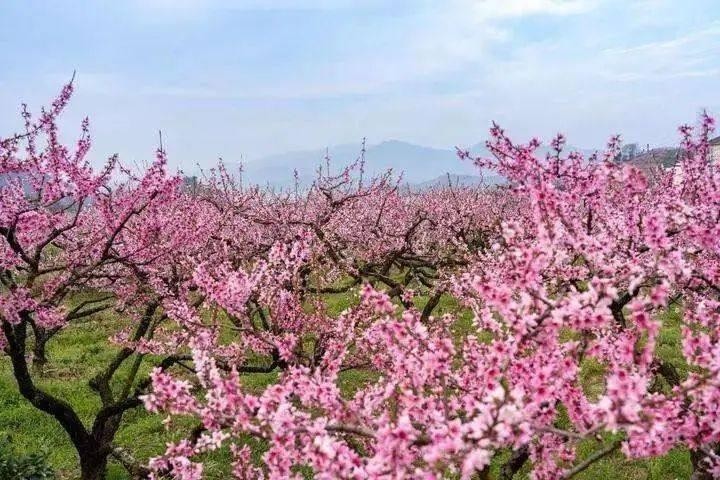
column 575, row 262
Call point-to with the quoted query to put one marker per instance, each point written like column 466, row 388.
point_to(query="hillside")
column 419, row 165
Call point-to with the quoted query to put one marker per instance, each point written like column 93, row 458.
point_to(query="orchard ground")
column 84, row 348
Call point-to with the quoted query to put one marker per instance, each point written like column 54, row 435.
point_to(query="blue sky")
column 247, row 78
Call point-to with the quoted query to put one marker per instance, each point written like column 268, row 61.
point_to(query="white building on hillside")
column 715, row 150
column 677, row 169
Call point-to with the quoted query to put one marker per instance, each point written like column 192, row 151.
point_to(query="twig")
column 600, row 454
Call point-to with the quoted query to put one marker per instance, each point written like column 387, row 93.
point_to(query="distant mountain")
column 418, row 164
column 459, row 180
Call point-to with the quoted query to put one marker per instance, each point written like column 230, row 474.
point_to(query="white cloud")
column 695, row 54
column 492, row 9
column 433, row 39
column 443, row 38
column 169, row 5
column 436, row 73
column 488, row 8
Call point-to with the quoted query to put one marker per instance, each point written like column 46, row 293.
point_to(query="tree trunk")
column 39, row 358
column 514, row 463
column 93, row 464
column 700, row 466
column 93, row 454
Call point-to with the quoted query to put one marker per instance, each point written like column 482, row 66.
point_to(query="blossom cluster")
column 572, row 269
column 577, row 261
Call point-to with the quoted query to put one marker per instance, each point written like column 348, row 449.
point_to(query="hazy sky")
column 251, row 77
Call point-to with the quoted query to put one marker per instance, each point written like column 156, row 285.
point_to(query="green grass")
column 76, row 354
column 82, row 349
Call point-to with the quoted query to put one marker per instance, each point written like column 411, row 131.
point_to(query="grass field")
column 83, row 348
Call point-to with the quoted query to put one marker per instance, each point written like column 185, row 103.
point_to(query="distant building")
column 715, row 150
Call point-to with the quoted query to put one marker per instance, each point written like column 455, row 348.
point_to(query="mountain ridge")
column 418, row 164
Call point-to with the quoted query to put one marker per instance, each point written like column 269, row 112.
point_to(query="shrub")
column 23, row 467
